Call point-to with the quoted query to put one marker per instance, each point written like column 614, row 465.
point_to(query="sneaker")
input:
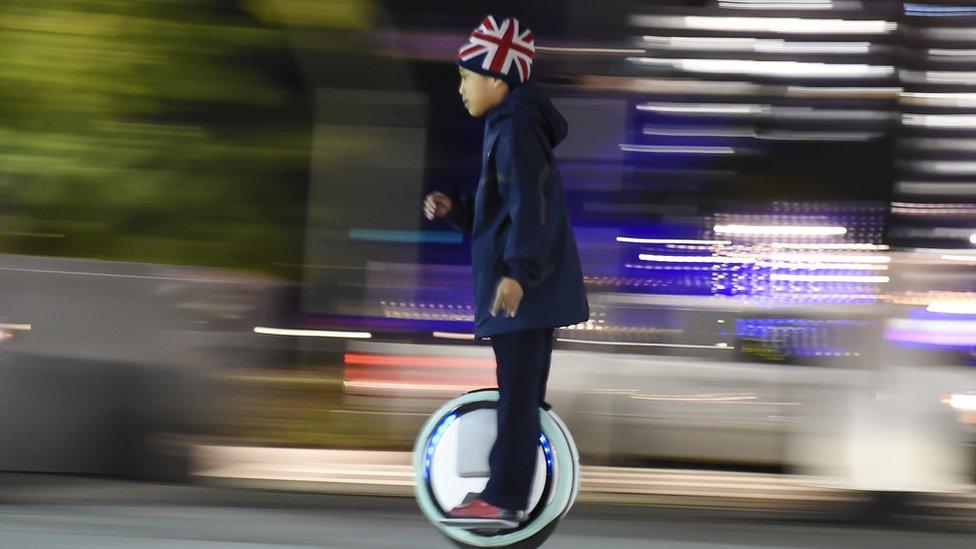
column 477, row 508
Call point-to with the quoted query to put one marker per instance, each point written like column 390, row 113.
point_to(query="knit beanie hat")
column 503, row 50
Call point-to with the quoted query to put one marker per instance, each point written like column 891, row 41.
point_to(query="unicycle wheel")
column 445, row 475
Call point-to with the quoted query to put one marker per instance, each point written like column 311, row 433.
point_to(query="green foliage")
column 150, row 130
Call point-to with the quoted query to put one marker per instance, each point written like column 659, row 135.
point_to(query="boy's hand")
column 437, row 204
column 508, row 295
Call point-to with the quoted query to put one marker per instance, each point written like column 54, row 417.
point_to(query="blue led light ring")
column 439, row 431
column 574, row 457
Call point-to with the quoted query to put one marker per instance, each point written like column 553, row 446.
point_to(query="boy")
column 527, row 275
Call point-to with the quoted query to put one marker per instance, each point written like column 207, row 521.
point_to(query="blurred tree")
column 150, row 130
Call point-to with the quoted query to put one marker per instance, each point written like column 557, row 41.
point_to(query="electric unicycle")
column 450, row 460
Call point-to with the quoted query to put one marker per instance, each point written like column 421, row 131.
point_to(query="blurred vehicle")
column 822, row 388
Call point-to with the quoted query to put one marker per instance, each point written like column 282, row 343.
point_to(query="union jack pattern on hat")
column 502, row 50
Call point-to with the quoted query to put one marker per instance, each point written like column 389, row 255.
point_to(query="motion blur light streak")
column 818, row 136
column 790, row 5
column 947, row 52
column 695, row 259
column 809, row 113
column 823, row 266
column 946, row 167
column 777, row 230
column 439, row 237
column 960, row 307
column 947, row 33
column 769, row 45
column 723, row 346
column 874, row 92
column 453, row 335
column 660, row 268
column 649, row 84
column 962, row 100
column 940, row 144
column 395, row 388
column 581, row 50
column 113, row 275
column 940, row 120
column 752, row 110
column 697, row 108
column 935, row 232
column 772, row 69
column 829, row 246
column 781, row 25
column 951, row 257
column 311, row 333
column 932, row 332
column 700, row 132
column 936, row 188
column 831, row 258
column 713, row 398
column 910, row 208
column 938, row 10
column 398, row 361
column 938, row 77
column 829, row 278
column 962, row 402
column 385, row 469
column 674, row 149
column 634, row 240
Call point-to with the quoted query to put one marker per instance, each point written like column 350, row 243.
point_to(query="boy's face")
column 479, row 92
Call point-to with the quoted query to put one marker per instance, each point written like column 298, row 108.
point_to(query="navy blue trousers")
column 522, row 367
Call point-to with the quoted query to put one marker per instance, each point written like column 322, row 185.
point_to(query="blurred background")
column 215, row 268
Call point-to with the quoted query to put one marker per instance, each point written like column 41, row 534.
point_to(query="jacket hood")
column 529, row 100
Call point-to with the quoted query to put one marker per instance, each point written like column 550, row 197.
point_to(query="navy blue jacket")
column 517, row 219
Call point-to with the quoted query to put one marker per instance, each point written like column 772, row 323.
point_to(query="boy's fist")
column 508, row 295
column 437, row 204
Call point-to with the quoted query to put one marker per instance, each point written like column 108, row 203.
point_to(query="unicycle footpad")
column 479, row 524
column 443, row 474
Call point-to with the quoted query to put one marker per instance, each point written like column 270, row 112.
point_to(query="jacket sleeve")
column 462, row 213
column 523, row 174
